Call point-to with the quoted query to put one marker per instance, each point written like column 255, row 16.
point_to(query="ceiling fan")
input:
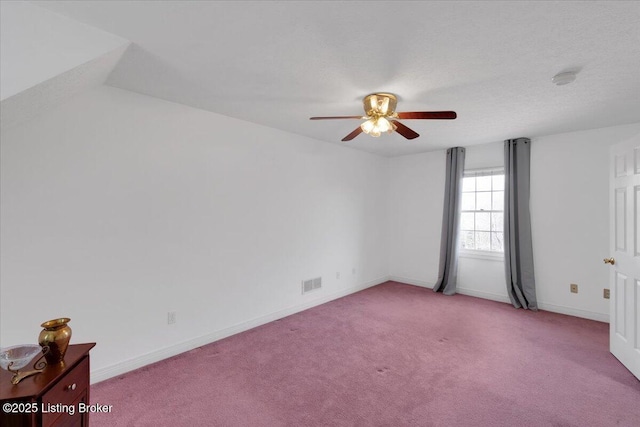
column 381, row 115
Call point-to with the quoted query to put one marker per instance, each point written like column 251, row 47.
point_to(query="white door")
column 624, row 211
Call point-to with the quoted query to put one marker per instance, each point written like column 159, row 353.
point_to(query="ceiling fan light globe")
column 368, row 126
column 375, row 133
column 383, row 125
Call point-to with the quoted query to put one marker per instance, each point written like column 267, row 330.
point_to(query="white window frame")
column 479, row 253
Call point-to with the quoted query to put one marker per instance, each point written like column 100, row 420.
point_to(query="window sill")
column 486, row 255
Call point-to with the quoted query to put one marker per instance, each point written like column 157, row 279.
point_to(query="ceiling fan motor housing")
column 380, row 104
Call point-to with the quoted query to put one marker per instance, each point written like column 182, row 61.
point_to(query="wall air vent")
column 307, row 286
column 311, row 285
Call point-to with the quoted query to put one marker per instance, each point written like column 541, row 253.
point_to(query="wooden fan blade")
column 434, row 115
column 357, row 131
column 335, row 117
column 405, row 131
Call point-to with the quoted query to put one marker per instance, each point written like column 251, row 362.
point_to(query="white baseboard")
column 560, row 309
column 585, row 314
column 576, row 312
column 463, row 291
column 102, row 374
column 485, row 295
column 414, row 282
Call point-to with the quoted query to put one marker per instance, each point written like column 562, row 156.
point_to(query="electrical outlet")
column 171, row 318
column 574, row 288
column 337, row 275
column 605, row 294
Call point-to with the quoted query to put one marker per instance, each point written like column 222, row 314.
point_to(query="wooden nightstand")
column 51, row 393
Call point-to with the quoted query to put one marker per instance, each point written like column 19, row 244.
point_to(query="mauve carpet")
column 391, row 355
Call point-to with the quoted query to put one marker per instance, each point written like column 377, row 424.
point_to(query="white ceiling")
column 278, row 63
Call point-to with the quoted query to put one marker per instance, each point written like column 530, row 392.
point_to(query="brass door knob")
column 609, row 261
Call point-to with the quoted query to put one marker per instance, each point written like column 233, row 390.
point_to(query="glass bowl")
column 20, row 355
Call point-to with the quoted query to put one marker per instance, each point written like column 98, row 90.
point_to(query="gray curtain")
column 518, row 248
column 448, row 272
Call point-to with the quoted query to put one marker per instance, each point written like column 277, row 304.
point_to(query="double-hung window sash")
column 482, row 211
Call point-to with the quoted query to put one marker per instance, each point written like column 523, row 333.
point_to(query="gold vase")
column 55, row 335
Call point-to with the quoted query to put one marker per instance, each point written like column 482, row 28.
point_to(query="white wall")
column 569, row 208
column 117, row 208
column 416, row 198
column 570, row 217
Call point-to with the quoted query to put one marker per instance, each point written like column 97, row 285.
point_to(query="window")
column 482, row 211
